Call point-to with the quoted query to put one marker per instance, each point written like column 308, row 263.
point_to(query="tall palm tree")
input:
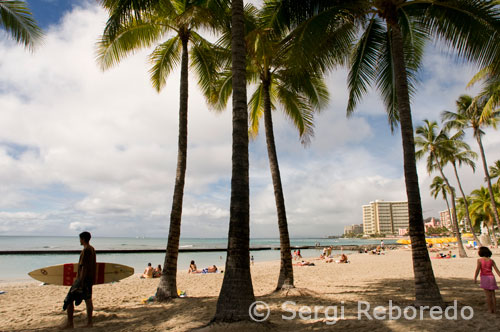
column 278, row 83
column 437, row 144
column 183, row 19
column 481, row 206
column 461, row 153
column 438, row 186
column 388, row 52
column 471, row 113
column 236, row 294
column 17, row 19
column 495, row 171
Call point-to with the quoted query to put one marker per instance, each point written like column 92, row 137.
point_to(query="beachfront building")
column 445, row 218
column 385, row 217
column 432, row 223
column 353, row 229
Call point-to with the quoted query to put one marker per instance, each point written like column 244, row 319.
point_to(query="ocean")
column 16, row 267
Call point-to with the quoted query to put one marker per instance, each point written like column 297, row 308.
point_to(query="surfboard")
column 65, row 274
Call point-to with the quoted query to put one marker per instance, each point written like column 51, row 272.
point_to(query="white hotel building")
column 385, row 217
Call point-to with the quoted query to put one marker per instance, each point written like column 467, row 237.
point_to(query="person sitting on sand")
column 343, row 259
column 192, row 268
column 210, row 269
column 148, row 272
column 157, row 272
column 304, row 263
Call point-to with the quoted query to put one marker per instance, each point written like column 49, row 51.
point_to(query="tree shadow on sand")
column 193, row 314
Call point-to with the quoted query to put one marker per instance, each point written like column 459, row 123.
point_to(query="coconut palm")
column 495, row 171
column 182, row 19
column 236, row 294
column 481, row 206
column 278, row 83
column 16, row 18
column 461, row 153
column 387, row 54
column 436, row 144
column 471, row 113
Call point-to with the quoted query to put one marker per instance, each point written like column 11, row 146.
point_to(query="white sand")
column 375, row 279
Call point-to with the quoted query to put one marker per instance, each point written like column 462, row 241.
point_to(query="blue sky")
column 86, row 149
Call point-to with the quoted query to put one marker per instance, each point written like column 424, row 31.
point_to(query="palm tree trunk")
column 488, row 181
column 236, row 294
column 447, row 206
column 456, row 229
column 466, row 205
column 167, row 288
column 285, row 280
column 492, row 234
column 426, row 289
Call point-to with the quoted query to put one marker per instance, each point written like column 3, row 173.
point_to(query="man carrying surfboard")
column 82, row 287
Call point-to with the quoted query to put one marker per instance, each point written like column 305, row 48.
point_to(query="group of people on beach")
column 194, row 269
column 151, row 272
column 81, row 290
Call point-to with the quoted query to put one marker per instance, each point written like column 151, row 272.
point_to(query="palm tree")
column 461, row 153
column 183, row 19
column 438, row 186
column 278, row 83
column 16, row 18
column 388, row 52
column 437, row 144
column 236, row 294
column 481, row 206
column 495, row 171
column 471, row 113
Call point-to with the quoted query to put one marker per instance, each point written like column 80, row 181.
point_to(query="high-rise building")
column 353, row 229
column 385, row 217
column 445, row 218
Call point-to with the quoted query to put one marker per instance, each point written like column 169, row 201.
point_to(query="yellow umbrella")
column 403, row 241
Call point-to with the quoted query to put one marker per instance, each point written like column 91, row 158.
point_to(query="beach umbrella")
column 403, row 241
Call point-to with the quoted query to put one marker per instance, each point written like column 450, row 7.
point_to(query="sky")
column 83, row 149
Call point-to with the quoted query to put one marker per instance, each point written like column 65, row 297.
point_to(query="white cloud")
column 82, row 149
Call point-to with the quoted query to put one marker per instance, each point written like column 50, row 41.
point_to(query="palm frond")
column 134, row 35
column 205, row 62
column 364, row 61
column 164, row 58
column 468, row 27
column 17, row 19
column 297, row 109
column 256, row 110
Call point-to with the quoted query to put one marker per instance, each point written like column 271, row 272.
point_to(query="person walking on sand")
column 82, row 287
column 485, row 264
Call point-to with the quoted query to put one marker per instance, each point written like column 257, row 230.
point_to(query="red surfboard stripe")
column 68, row 275
column 100, row 273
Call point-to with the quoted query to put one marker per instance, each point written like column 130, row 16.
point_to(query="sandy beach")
column 376, row 280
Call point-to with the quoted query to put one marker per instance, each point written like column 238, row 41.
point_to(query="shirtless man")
column 84, row 279
column 148, row 272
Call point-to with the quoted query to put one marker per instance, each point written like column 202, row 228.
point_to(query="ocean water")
column 16, row 267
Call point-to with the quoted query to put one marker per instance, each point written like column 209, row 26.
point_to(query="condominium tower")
column 385, row 217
